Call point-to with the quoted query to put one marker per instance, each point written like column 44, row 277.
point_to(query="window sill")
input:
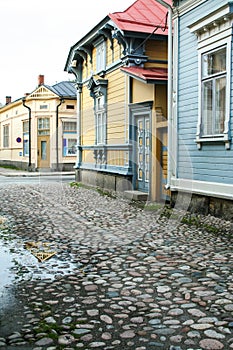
column 224, row 138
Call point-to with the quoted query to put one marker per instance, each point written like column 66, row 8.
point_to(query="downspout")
column 29, row 136
column 57, row 114
column 79, row 124
column 169, row 92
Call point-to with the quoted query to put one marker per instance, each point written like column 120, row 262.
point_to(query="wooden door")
column 43, row 152
column 143, row 152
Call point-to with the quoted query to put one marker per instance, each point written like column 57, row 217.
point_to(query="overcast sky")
column 36, row 36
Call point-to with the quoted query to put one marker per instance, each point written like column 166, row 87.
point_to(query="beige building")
column 38, row 131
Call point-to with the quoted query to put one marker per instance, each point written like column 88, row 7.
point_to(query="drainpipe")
column 79, row 124
column 29, row 136
column 57, row 156
column 169, row 92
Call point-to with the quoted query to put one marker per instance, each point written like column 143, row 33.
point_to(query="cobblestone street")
column 123, row 277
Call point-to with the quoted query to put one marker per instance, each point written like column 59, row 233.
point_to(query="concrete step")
column 136, row 195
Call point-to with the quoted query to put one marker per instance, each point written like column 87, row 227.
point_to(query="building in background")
column 39, row 131
column 121, row 74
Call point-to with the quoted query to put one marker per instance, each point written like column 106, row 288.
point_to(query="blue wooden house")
column 201, row 125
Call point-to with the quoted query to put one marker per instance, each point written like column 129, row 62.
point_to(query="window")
column 69, row 147
column 214, row 72
column 43, row 126
column 69, row 106
column 70, row 126
column 43, row 106
column 213, row 92
column 100, row 120
column 101, row 57
column 26, row 139
column 6, row 136
column 69, row 138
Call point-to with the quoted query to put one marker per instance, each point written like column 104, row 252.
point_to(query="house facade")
column 39, row 131
column 121, row 76
column 201, row 175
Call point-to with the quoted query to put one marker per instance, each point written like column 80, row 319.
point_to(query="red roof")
column 142, row 16
column 147, row 74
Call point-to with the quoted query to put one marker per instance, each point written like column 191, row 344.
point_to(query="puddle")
column 19, row 264
column 5, row 264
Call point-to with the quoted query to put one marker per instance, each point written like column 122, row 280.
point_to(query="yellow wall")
column 161, row 98
column 156, row 50
column 116, row 107
column 88, row 118
column 142, row 92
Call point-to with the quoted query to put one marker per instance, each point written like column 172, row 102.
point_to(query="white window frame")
column 43, row 126
column 100, row 117
column 69, row 135
column 69, row 151
column 224, row 136
column 212, row 79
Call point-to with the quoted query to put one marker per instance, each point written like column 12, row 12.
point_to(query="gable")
column 42, row 92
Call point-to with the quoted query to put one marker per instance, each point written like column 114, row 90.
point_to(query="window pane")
column 43, row 126
column 69, row 126
column 101, row 57
column 6, row 136
column 214, row 62
column 69, row 147
column 25, row 126
column 207, row 107
column 43, row 150
column 220, row 104
column 26, row 144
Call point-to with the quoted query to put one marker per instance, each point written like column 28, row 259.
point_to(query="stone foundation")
column 111, row 182
column 205, row 205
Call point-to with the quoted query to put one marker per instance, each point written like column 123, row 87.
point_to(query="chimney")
column 40, row 79
column 8, row 100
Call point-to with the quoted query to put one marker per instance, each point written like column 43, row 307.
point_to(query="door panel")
column 143, row 152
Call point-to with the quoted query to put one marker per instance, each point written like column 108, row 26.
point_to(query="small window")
column 6, row 136
column 69, row 106
column 43, row 106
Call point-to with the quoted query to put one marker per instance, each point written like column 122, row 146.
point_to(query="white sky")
column 36, row 36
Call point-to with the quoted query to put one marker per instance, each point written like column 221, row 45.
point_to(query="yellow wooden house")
column 39, row 131
column 121, row 77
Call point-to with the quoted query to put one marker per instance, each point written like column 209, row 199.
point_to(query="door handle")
column 38, row 152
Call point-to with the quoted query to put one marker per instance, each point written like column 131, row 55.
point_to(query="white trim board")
column 213, row 189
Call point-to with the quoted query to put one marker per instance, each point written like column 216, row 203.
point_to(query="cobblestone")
column 123, row 277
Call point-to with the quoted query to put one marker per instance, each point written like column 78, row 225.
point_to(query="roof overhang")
column 147, row 75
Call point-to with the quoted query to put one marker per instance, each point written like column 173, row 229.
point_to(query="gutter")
column 29, row 136
column 169, row 94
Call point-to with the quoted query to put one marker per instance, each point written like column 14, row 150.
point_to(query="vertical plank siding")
column 213, row 163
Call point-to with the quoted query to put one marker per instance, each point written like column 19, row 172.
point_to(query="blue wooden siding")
column 213, row 163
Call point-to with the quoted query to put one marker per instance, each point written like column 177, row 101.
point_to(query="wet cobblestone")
column 123, row 277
